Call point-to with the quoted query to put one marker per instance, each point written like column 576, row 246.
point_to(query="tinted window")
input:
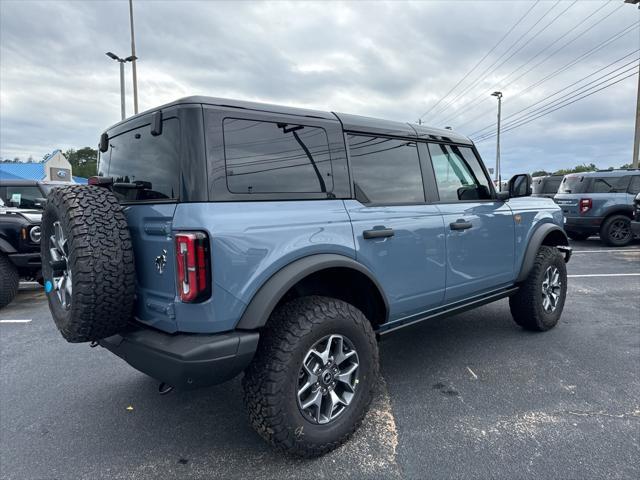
column 551, row 185
column 23, row 197
column 608, row 185
column 143, row 166
column 634, row 186
column 265, row 157
column 459, row 174
column 385, row 170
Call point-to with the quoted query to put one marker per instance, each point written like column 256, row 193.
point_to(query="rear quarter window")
column 271, row 157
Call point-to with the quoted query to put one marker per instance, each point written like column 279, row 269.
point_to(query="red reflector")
column 193, row 276
column 585, row 205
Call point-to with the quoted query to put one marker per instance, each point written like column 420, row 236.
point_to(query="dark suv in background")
column 546, row 186
column 599, row 203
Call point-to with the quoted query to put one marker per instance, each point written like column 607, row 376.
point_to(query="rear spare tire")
column 9, row 281
column 87, row 262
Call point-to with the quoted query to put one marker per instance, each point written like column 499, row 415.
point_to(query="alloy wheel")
column 328, row 379
column 551, row 288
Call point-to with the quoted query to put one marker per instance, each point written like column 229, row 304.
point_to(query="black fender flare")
column 6, row 247
column 271, row 292
column 534, row 244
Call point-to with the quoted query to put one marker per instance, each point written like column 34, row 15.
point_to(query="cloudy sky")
column 391, row 60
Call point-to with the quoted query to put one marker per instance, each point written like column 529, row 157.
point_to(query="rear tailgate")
column 154, row 251
column 568, row 203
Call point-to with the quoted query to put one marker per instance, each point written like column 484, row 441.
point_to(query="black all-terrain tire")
column 527, row 304
column 578, row 236
column 9, row 281
column 608, row 229
column 270, row 381
column 100, row 260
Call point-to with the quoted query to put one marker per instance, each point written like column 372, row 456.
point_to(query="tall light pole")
column 636, row 136
column 133, row 63
column 121, row 61
column 498, row 175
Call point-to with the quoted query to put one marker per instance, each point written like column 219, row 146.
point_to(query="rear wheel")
column 312, row 379
column 9, row 281
column 616, row 231
column 540, row 300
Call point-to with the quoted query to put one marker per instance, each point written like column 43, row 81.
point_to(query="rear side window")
column 385, row 170
column 266, row 157
column 143, row 166
column 609, row 185
column 459, row 174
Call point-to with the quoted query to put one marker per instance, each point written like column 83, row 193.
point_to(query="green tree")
column 577, row 169
column 540, row 173
column 84, row 161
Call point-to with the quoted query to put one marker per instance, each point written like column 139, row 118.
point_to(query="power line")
column 568, row 65
column 561, row 106
column 484, row 73
column 563, row 99
column 483, row 96
column 482, row 59
column 451, row 116
column 568, row 86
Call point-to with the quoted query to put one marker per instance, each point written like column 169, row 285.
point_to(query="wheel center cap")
column 327, row 378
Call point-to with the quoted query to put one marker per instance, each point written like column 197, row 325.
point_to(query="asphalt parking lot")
column 472, row 396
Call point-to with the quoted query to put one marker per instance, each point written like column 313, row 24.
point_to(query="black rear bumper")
column 27, row 261
column 589, row 225
column 185, row 361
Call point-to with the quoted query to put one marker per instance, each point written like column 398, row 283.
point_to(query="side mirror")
column 520, row 185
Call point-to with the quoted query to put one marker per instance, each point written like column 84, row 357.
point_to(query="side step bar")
column 446, row 310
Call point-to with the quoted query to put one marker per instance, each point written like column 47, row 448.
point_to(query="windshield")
column 24, row 196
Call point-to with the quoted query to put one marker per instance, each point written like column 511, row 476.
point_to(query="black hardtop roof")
column 605, row 173
column 350, row 122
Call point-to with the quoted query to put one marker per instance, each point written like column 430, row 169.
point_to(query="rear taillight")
column 585, row 205
column 193, row 275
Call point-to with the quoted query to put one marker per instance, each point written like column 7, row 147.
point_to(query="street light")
column 122, row 62
column 498, row 175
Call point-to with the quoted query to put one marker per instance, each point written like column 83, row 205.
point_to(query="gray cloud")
column 390, row 60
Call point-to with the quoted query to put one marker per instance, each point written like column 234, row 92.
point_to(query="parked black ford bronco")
column 223, row 237
column 19, row 249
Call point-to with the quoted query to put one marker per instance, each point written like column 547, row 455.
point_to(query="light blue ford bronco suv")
column 223, row 236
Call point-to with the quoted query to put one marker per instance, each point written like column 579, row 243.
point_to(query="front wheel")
column 312, row 379
column 9, row 281
column 539, row 302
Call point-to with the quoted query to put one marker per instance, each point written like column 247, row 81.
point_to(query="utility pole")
column 498, row 174
column 121, row 61
column 133, row 63
column 636, row 136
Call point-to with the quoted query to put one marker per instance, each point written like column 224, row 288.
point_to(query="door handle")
column 460, row 225
column 378, row 233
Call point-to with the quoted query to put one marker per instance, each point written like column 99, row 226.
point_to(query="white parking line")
column 15, row 321
column 606, row 275
column 620, row 250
